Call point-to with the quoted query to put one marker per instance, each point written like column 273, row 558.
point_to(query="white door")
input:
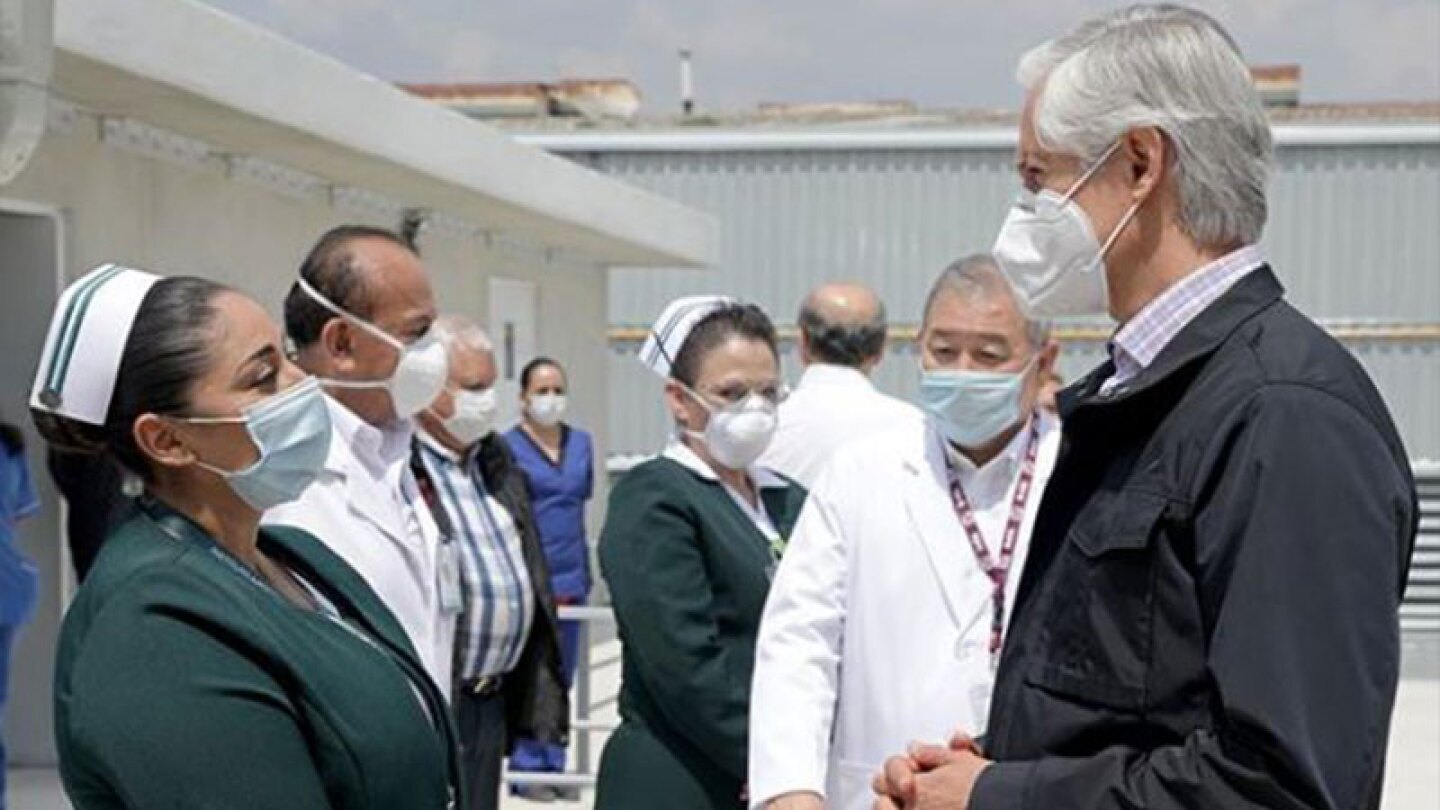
column 30, row 266
column 514, row 309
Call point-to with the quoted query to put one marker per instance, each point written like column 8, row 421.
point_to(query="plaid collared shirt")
column 1141, row 339
column 499, row 604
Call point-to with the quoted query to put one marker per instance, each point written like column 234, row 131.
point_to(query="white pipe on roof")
column 749, row 140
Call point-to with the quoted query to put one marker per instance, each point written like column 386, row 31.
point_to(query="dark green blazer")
column 688, row 574
column 183, row 683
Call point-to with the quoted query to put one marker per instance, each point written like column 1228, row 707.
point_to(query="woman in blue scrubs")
column 558, row 463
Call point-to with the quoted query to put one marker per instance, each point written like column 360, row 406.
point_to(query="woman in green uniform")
column 688, row 548
column 207, row 662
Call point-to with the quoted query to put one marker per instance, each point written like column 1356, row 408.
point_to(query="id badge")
column 449, row 575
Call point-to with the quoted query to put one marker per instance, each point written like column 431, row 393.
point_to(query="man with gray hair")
column 885, row 618
column 842, row 338
column 1208, row 617
column 508, row 682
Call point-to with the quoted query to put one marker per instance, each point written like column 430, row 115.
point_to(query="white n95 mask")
column 419, row 375
column 474, row 415
column 1048, row 251
column 738, row 434
column 547, row 409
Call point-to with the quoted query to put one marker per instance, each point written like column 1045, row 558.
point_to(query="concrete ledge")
column 798, row 139
column 184, row 66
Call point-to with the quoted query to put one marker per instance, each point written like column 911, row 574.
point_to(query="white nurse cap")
column 87, row 338
column 673, row 326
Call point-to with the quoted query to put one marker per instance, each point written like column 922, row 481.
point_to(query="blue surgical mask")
column 291, row 430
column 973, row 407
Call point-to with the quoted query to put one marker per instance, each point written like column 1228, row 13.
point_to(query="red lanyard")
column 999, row 572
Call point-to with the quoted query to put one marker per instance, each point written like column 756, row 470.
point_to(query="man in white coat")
column 842, row 339
column 886, row 616
column 360, row 317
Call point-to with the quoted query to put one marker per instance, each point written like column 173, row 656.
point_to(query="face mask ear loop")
column 1119, row 229
column 1090, row 172
column 695, row 395
column 709, row 411
column 350, row 318
column 222, row 420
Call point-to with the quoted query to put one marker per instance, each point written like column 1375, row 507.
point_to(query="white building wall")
column 122, row 206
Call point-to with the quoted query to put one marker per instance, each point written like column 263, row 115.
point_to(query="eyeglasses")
column 774, row 393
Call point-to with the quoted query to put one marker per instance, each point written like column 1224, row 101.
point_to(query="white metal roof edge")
column 185, row 46
column 960, row 138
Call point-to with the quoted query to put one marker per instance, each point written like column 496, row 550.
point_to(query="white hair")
column 1168, row 67
column 978, row 278
column 460, row 333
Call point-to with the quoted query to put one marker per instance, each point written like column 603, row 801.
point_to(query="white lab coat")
column 358, row 508
column 830, row 407
column 876, row 631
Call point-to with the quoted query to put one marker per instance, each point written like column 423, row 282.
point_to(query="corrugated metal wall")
column 1354, row 232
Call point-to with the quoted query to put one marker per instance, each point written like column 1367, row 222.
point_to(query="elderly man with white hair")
column 908, row 550
column 508, row 682
column 1207, row 618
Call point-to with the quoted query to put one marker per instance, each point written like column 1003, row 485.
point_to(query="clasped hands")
column 931, row 777
column 927, row 777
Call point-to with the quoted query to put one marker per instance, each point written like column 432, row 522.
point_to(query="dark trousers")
column 481, row 719
column 532, row 755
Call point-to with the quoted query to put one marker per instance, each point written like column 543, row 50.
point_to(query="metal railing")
column 583, row 725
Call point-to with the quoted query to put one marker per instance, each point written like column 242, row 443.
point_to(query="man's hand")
column 803, row 800
column 930, row 777
column 964, row 742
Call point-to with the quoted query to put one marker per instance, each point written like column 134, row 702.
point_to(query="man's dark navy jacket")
column 1208, row 618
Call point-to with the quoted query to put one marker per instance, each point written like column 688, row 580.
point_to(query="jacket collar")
column 432, row 444
column 1141, row 339
column 680, row 453
column 358, row 603
column 1256, row 292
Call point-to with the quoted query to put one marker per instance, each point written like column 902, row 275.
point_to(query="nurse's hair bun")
column 69, row 435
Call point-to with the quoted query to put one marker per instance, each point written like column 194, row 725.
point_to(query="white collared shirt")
column 832, row 405
column 365, row 507
column 680, row 453
column 991, row 488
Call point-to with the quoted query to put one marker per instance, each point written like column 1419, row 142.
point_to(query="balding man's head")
column 842, row 325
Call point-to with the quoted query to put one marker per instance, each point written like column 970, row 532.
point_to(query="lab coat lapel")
column 368, row 499
column 932, row 518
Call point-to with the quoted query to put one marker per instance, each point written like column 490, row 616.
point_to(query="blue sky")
column 944, row 53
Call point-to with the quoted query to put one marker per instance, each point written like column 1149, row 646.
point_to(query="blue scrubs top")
column 18, row 577
column 558, row 494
